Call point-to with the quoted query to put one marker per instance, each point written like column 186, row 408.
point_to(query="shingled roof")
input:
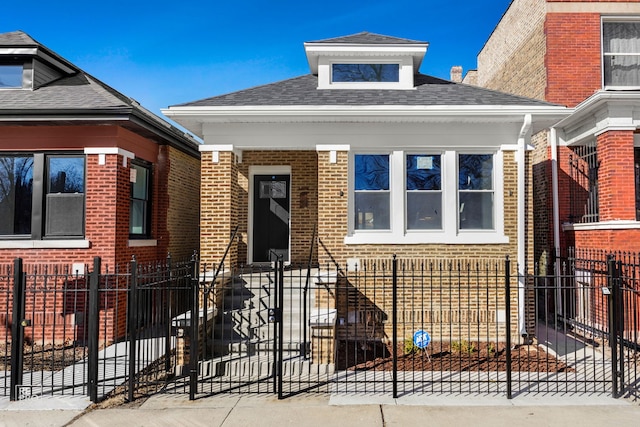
column 367, row 38
column 79, row 96
column 303, row 91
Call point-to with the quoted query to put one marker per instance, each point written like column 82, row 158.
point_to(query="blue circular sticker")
column 421, row 339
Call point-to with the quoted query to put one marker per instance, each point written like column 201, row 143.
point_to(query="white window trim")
column 614, row 19
column 450, row 233
column 405, row 73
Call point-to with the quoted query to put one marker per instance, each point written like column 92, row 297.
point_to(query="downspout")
column 556, row 214
column 524, row 138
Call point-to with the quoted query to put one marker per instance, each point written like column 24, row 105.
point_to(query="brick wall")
column 183, row 209
column 616, row 176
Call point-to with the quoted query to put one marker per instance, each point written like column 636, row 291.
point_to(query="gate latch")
column 275, row 315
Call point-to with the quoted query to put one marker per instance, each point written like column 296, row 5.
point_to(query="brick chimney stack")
column 456, row 74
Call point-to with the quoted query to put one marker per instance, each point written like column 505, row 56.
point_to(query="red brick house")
column 86, row 171
column 585, row 55
column 586, row 168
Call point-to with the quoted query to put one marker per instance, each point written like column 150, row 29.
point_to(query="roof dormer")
column 365, row 61
column 26, row 64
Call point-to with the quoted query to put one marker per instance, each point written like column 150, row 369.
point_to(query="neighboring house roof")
column 78, row 96
column 303, row 91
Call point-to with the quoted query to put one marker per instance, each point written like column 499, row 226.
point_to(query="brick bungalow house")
column 381, row 158
column 85, row 171
column 585, row 55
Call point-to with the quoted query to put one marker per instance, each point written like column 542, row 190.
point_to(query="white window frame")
column 614, row 19
column 405, row 72
column 450, row 232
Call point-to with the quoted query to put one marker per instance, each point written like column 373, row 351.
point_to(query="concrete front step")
column 260, row 368
column 249, row 348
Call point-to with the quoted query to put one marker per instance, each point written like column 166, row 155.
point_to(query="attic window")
column 10, row 76
column 365, row 73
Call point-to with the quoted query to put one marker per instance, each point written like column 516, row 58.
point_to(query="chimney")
column 456, row 74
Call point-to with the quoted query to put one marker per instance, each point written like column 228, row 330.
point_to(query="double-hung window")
column 425, row 196
column 424, row 192
column 140, row 206
column 372, row 191
column 621, row 53
column 475, row 191
column 42, row 195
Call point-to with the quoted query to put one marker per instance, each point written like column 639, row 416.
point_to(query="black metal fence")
column 91, row 332
column 405, row 327
column 394, row 326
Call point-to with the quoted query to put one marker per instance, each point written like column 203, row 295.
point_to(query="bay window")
column 430, row 196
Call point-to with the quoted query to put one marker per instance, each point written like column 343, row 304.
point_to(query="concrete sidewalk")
column 352, row 411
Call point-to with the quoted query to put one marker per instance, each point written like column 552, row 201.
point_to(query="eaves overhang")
column 603, row 111
column 194, row 117
column 134, row 120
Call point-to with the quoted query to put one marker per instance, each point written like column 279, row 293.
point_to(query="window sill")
column 141, row 243
column 472, row 238
column 44, row 244
column 604, row 225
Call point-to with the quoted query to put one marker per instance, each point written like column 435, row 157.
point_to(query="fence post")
column 92, row 330
column 507, row 291
column 280, row 284
column 194, row 335
column 132, row 320
column 614, row 290
column 17, row 329
column 167, row 292
column 394, row 304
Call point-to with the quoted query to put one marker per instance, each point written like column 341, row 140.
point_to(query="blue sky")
column 164, row 53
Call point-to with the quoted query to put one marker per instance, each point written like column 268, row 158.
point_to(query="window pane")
column 141, row 186
column 16, row 193
column 476, row 210
column 10, row 76
column 66, row 175
column 423, row 172
column 365, row 73
column 622, row 70
column 372, row 211
column 475, row 172
column 621, row 37
column 138, row 216
column 424, row 210
column 371, row 172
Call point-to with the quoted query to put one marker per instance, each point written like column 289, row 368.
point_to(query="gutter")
column 524, row 138
column 556, row 213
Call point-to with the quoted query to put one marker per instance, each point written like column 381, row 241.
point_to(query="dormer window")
column 10, row 76
column 365, row 61
column 365, row 73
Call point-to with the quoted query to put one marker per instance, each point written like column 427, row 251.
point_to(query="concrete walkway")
column 352, row 411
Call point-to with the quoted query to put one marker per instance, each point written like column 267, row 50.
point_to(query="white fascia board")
column 315, row 50
column 477, row 111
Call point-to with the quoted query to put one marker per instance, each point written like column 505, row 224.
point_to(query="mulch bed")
column 48, row 357
column 443, row 356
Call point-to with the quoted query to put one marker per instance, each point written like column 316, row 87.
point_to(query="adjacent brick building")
column 585, row 55
column 85, row 172
column 586, row 168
